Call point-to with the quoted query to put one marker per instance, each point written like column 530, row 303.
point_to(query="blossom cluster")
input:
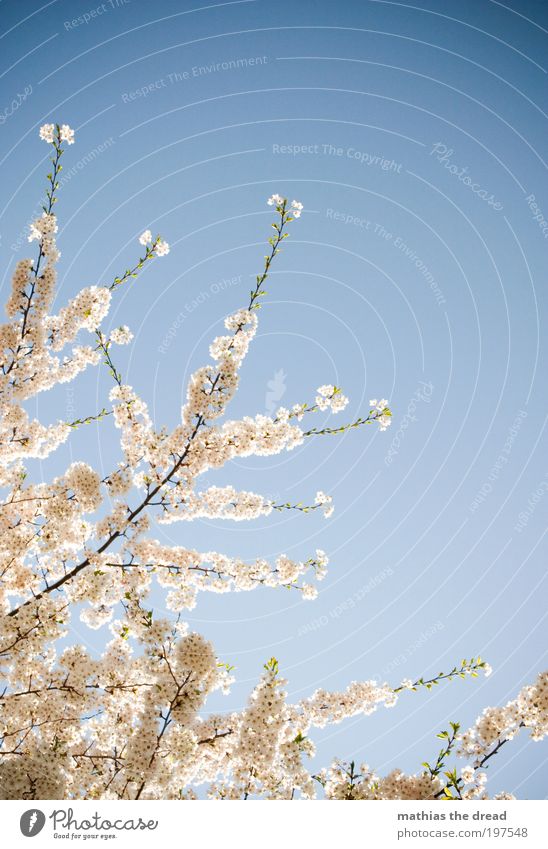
column 381, row 411
column 65, row 133
column 343, row 782
column 528, row 710
column 295, row 208
column 330, row 397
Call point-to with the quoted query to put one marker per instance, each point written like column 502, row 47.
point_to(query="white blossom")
column 121, row 335
column 47, row 132
column 330, row 398
column 325, row 502
column 66, row 134
column 384, row 422
column 467, row 774
column 162, row 248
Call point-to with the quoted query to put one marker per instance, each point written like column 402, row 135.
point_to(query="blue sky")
column 403, row 279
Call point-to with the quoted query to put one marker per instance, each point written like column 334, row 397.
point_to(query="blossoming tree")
column 129, row 724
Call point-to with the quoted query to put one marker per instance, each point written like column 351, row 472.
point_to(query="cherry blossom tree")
column 129, row 724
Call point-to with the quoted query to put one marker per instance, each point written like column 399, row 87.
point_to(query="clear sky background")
column 398, row 281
